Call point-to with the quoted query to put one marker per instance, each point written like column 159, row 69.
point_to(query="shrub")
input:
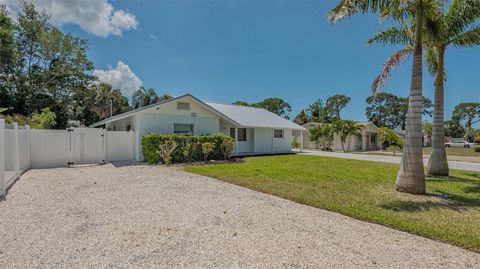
column 227, row 148
column 477, row 149
column 295, row 143
column 165, row 150
column 44, row 120
column 207, row 148
column 188, row 149
column 388, row 137
column 151, row 142
column 394, row 149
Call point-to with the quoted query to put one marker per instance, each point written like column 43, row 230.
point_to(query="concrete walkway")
column 469, row 166
column 154, row 217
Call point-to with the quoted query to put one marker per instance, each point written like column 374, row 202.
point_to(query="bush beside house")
column 185, row 143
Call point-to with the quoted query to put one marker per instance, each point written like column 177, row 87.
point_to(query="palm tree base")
column 438, row 163
column 410, row 187
column 411, row 178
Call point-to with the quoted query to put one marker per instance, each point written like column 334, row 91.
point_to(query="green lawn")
column 365, row 190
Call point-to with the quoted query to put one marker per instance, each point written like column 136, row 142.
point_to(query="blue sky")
column 250, row 50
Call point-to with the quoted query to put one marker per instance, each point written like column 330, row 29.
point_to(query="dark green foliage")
column 151, row 142
column 388, row 110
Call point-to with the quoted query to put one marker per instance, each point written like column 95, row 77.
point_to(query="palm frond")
column 392, row 62
column 347, row 8
column 470, row 38
column 394, row 36
column 461, row 14
column 431, row 60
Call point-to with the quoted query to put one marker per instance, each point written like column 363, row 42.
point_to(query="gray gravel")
column 154, row 217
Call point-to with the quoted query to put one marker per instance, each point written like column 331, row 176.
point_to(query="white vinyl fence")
column 22, row 148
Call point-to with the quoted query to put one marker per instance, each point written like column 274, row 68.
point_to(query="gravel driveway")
column 154, row 217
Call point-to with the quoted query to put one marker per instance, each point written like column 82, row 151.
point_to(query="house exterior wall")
column 354, row 143
column 162, row 119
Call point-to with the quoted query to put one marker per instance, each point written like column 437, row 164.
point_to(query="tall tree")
column 457, row 25
column 346, row 129
column 469, row 113
column 7, row 55
column 144, row 97
column 318, row 112
column 301, row 117
column 277, row 106
column 108, row 101
column 388, row 110
column 335, row 104
column 411, row 177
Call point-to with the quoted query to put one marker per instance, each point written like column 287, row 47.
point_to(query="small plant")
column 207, row 148
column 188, row 149
column 394, row 149
column 295, row 143
column 166, row 149
column 226, row 148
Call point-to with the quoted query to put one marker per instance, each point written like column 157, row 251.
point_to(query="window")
column 183, row 106
column 183, row 128
column 242, row 134
column 278, row 133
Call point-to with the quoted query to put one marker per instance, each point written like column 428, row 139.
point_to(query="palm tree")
column 347, row 129
column 410, row 177
column 457, row 26
column 322, row 135
column 108, row 100
column 144, row 97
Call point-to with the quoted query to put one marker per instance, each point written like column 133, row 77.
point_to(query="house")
column 369, row 139
column 257, row 131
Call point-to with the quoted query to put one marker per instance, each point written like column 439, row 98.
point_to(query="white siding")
column 263, row 140
column 284, row 144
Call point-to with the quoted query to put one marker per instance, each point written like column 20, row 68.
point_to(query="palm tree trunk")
column 437, row 163
column 411, row 176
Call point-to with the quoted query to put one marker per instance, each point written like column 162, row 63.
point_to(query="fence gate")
column 87, row 145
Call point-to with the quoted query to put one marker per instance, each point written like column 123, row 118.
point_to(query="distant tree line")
column 46, row 72
column 274, row 105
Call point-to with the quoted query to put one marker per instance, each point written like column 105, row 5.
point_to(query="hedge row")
column 151, row 142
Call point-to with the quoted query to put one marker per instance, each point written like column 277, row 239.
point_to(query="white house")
column 368, row 141
column 257, row 131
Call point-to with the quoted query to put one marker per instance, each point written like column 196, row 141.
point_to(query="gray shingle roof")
column 254, row 117
column 241, row 115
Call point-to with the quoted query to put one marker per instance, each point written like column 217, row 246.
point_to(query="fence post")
column 27, row 127
column 132, row 134
column 17, row 149
column 104, row 134
column 2, row 158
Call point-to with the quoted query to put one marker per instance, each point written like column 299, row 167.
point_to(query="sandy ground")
column 154, row 217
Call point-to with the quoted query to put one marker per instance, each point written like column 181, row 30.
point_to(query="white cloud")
column 97, row 17
column 120, row 77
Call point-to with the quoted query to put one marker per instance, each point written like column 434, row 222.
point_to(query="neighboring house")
column 369, row 140
column 257, row 130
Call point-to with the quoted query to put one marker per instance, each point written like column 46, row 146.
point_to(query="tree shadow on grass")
column 442, row 199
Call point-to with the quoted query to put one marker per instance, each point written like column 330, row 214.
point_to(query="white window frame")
column 184, row 124
column 275, row 134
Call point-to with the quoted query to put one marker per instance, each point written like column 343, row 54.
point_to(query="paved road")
column 154, row 217
column 388, row 159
